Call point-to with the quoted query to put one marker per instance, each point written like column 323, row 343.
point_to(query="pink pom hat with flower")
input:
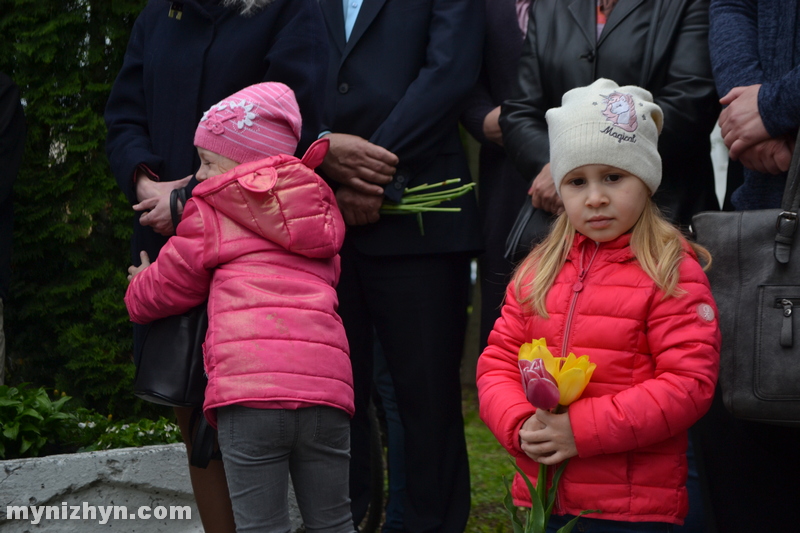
column 259, row 121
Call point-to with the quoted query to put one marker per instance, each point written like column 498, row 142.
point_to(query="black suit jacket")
column 399, row 82
column 661, row 45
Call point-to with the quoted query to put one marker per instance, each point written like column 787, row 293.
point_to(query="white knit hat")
column 605, row 124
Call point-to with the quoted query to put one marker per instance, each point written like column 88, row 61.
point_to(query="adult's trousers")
column 417, row 305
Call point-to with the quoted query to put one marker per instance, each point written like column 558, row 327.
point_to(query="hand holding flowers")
column 547, row 438
column 551, row 384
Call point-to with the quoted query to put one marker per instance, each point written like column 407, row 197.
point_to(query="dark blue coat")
column 174, row 70
column 12, row 144
column 501, row 188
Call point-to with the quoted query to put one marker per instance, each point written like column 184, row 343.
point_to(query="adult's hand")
column 772, row 156
column 154, row 202
column 358, row 208
column 357, row 163
column 491, row 126
column 740, row 123
column 543, row 192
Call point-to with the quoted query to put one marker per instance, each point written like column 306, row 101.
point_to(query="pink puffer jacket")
column 657, row 362
column 261, row 243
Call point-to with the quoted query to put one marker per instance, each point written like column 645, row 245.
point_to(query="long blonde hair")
column 656, row 244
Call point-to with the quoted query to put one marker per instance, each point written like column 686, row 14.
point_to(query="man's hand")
column 358, row 164
column 358, row 208
column 154, row 201
column 547, row 438
column 772, row 156
column 543, row 193
column 740, row 122
column 491, row 126
column 133, row 270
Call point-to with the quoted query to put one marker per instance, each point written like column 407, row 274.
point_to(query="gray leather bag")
column 755, row 279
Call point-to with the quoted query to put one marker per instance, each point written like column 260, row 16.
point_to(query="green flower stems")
column 415, row 201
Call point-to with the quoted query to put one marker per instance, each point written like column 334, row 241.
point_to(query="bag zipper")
column 787, row 333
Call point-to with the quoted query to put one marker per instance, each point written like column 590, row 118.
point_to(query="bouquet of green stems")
column 424, row 199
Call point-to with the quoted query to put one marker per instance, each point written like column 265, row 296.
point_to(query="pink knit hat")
column 257, row 122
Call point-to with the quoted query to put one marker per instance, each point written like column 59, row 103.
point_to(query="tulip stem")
column 541, row 484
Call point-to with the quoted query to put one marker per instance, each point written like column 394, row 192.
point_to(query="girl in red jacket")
column 260, row 239
column 616, row 282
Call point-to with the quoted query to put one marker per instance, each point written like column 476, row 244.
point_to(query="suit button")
column 343, row 88
column 401, row 178
column 398, row 185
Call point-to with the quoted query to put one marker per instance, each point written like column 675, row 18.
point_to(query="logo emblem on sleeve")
column 706, row 312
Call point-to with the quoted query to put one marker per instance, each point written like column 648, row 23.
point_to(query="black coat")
column 399, row 82
column 501, row 188
column 661, row 45
column 174, row 70
column 12, row 145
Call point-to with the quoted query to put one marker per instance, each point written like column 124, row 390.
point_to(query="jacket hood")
column 282, row 199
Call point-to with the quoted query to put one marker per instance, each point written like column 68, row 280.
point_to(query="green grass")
column 488, row 463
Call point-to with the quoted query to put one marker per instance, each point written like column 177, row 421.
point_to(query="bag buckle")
column 787, row 216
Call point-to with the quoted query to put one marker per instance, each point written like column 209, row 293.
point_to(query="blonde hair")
column 656, row 244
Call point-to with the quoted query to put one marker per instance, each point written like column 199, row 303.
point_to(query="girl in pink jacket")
column 618, row 283
column 259, row 240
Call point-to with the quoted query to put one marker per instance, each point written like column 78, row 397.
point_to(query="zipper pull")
column 786, row 328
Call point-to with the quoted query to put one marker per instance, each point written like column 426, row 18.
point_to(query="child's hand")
column 133, row 270
column 547, row 438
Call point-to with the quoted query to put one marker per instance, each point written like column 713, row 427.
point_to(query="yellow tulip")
column 537, row 349
column 571, row 373
column 573, row 376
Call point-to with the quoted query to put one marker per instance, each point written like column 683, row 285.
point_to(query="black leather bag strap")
column 786, row 224
column 177, row 195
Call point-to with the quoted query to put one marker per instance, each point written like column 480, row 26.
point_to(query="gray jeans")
column 262, row 447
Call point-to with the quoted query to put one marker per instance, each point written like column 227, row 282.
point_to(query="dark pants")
column 596, row 525
column 417, row 305
column 753, row 471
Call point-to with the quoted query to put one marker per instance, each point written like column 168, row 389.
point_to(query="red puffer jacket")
column 657, row 362
column 261, row 242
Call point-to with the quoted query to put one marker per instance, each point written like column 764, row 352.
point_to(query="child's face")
column 213, row 164
column 603, row 202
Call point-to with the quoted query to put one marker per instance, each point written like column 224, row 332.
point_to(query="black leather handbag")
column 755, row 279
column 530, row 228
column 170, row 370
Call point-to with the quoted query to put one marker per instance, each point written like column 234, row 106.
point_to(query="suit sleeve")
column 685, row 344
column 128, row 140
column 181, row 276
column 503, row 405
column 522, row 116
column 429, row 110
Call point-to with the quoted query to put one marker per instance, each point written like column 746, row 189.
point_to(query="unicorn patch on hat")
column 620, row 111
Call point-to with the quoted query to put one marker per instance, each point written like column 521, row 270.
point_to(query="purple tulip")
column 540, row 386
